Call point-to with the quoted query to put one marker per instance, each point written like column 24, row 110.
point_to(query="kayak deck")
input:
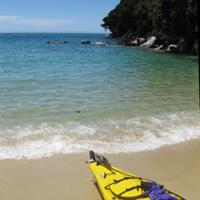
column 116, row 184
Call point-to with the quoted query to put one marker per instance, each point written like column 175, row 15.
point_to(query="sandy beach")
column 68, row 177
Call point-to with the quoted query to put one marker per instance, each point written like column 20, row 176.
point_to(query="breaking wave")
column 108, row 136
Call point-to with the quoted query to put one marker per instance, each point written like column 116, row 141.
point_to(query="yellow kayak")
column 116, row 184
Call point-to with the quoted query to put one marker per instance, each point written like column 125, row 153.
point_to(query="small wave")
column 113, row 136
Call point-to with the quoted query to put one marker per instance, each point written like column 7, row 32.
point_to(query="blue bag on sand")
column 155, row 193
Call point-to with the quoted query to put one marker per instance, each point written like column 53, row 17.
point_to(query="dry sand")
column 68, row 177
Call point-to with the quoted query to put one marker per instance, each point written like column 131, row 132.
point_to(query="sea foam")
column 109, row 136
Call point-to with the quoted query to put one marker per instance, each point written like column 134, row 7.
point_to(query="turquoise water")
column 73, row 97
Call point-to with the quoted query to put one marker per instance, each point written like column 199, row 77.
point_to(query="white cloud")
column 35, row 22
column 9, row 18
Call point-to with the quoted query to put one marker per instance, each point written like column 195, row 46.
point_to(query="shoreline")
column 68, row 177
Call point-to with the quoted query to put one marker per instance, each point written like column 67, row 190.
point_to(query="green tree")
column 142, row 16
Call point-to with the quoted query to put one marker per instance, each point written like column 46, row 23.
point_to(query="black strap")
column 118, row 181
column 161, row 186
column 129, row 189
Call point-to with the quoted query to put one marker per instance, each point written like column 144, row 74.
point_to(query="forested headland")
column 172, row 21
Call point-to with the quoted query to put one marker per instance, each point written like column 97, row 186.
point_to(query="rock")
column 195, row 48
column 172, row 38
column 61, row 42
column 158, row 42
column 108, row 36
column 181, row 46
column 160, row 49
column 100, row 44
column 171, row 48
column 126, row 40
column 149, row 43
column 85, row 42
column 57, row 42
column 138, row 41
column 107, row 44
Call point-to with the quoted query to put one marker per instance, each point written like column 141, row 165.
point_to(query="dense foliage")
column 141, row 17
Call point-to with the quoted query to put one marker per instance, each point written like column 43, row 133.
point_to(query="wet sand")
column 68, row 177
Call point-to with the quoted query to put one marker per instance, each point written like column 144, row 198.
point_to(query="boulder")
column 100, row 44
column 108, row 36
column 195, row 48
column 172, row 48
column 172, row 38
column 126, row 40
column 85, row 42
column 181, row 46
column 150, row 42
column 138, row 41
column 160, row 49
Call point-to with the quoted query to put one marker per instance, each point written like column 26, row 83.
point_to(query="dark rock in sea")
column 57, row 42
column 85, row 42
column 60, row 42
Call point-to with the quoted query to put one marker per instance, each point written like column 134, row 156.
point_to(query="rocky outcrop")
column 163, row 43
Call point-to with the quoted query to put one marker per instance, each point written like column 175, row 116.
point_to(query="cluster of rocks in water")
column 162, row 44
column 159, row 44
column 84, row 42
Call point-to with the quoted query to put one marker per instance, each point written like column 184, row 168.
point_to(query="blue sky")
column 69, row 16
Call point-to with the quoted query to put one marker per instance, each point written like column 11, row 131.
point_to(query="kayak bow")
column 116, row 184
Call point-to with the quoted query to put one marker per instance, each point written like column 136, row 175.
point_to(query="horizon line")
column 52, row 32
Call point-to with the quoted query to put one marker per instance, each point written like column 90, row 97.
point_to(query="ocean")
column 72, row 97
